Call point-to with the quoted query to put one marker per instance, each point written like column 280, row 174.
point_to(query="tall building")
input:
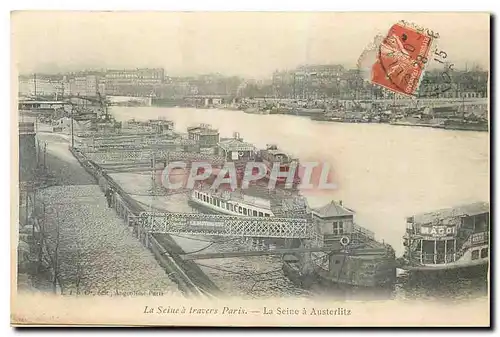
column 78, row 86
column 133, row 81
column 309, row 81
column 91, row 86
column 38, row 86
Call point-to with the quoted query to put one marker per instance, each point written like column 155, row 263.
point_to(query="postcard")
column 320, row 169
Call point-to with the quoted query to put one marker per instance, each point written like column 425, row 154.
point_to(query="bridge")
column 63, row 101
column 192, row 223
column 210, row 224
column 208, row 100
column 40, row 104
column 225, row 225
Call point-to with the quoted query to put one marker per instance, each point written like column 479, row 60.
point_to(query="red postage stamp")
column 401, row 60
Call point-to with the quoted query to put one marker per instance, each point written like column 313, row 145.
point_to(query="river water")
column 385, row 173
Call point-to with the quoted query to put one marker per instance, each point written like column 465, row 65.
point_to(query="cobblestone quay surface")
column 97, row 253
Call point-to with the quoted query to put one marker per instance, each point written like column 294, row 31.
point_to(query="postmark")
column 402, row 57
column 432, row 79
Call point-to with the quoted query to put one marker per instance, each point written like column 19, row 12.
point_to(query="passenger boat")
column 452, row 239
column 256, row 201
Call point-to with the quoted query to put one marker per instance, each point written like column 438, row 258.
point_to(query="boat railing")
column 363, row 232
column 317, row 238
column 449, row 257
column 354, row 238
column 475, row 239
column 437, row 258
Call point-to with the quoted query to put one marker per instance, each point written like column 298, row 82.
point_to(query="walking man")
column 109, row 196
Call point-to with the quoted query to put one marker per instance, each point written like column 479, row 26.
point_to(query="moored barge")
column 448, row 241
column 352, row 256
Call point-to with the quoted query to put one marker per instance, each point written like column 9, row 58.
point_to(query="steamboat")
column 255, row 201
column 448, row 241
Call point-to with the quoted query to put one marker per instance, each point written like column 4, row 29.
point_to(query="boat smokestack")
column 340, row 202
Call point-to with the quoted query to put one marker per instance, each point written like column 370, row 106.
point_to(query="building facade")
column 204, row 135
column 39, row 87
column 134, row 82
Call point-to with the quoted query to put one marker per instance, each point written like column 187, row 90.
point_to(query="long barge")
column 355, row 259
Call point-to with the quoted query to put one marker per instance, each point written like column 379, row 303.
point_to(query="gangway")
column 226, row 225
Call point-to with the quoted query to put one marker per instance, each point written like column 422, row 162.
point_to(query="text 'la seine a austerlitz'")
column 242, row 311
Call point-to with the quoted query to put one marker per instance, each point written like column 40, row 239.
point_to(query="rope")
column 155, row 195
column 225, row 270
column 199, row 250
column 202, row 240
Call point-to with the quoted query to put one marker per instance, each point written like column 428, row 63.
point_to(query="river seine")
column 383, row 172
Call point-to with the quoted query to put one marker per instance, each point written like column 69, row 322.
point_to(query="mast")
column 463, row 109
column 153, row 181
column 34, row 81
column 72, row 135
column 294, row 82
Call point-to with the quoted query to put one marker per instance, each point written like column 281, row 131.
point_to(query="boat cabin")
column 272, row 156
column 229, row 203
column 235, row 149
column 333, row 221
column 204, row 134
column 448, row 235
column 161, row 125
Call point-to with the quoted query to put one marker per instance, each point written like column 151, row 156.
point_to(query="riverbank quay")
column 190, row 279
column 85, row 247
column 252, row 277
column 467, row 114
column 93, row 252
column 249, row 277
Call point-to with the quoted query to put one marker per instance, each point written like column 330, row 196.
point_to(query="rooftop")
column 333, row 209
column 234, row 144
column 255, row 194
column 452, row 212
column 203, row 129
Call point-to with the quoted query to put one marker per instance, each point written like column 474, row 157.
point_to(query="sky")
column 249, row 44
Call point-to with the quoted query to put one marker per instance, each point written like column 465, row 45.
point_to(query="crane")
column 104, row 105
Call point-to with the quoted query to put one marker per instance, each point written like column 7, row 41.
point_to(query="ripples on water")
column 385, row 173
